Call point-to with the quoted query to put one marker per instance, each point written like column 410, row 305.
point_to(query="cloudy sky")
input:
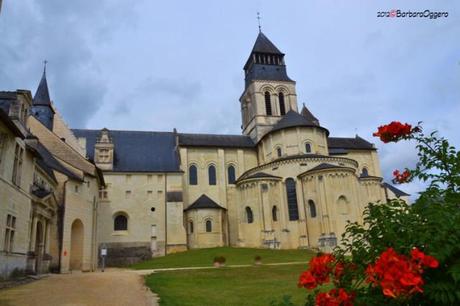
column 153, row 65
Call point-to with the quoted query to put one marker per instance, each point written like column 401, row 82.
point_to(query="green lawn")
column 234, row 256
column 251, row 286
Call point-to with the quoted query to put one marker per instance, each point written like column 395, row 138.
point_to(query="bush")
column 257, row 258
column 402, row 254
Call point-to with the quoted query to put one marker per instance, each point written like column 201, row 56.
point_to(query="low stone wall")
column 12, row 264
column 122, row 254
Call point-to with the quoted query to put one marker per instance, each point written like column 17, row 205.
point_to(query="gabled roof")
column 210, row 140
column 137, row 151
column 204, row 202
column 264, row 45
column 42, row 95
column 396, row 191
column 356, row 143
column 294, row 119
column 50, row 161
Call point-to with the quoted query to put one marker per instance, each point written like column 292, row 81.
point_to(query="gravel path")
column 114, row 287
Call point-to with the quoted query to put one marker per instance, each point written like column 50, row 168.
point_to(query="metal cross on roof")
column 258, row 21
column 44, row 65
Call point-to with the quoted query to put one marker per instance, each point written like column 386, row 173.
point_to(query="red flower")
column 401, row 178
column 399, row 275
column 339, row 270
column 318, row 272
column 394, row 131
column 335, row 297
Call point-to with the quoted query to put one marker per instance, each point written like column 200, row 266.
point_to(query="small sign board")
column 103, row 252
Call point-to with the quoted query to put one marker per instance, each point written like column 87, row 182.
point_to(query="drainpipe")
column 60, row 221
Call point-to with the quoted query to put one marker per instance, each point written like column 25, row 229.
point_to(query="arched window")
column 268, row 104
column 212, row 175
column 231, row 177
column 279, row 152
column 275, row 213
column 291, row 192
column 249, row 215
column 120, row 223
column 193, row 175
column 282, row 106
column 342, row 205
column 208, row 226
column 364, row 172
column 307, row 147
column 312, row 207
column 190, row 227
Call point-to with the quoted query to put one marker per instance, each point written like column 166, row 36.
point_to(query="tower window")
column 268, row 104
column 120, row 223
column 212, row 175
column 312, row 207
column 192, row 175
column 365, row 172
column 308, row 147
column 208, row 226
column 190, row 227
column 282, row 106
column 249, row 215
column 291, row 192
column 231, row 174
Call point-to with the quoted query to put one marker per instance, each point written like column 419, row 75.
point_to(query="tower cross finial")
column 44, row 66
column 258, row 21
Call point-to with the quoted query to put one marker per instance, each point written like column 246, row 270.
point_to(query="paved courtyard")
column 115, row 287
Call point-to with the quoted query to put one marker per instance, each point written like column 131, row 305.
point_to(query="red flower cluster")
column 401, row 178
column 335, row 297
column 399, row 275
column 318, row 272
column 393, row 131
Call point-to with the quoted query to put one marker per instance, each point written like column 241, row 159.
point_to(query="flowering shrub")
column 400, row 254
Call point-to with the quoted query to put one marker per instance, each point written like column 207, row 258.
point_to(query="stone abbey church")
column 285, row 183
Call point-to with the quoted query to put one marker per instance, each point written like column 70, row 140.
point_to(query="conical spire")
column 42, row 95
column 308, row 115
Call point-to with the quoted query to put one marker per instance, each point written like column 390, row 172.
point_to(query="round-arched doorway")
column 76, row 245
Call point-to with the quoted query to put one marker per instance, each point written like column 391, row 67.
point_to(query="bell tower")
column 269, row 93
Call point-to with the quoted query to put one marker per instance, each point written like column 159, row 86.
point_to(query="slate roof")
column 204, row 202
column 40, row 192
column 396, row 191
column 137, row 151
column 356, row 143
column 50, row 161
column 308, row 115
column 42, row 95
column 211, row 140
column 293, row 119
column 259, row 175
column 264, row 45
column 325, row 166
column 6, row 98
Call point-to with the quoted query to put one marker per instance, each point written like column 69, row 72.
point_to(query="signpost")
column 103, row 255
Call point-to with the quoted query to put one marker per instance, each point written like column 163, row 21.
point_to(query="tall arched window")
column 249, row 215
column 120, row 223
column 279, row 152
column 212, row 175
column 312, row 207
column 282, row 106
column 275, row 213
column 231, row 177
column 307, row 147
column 192, row 175
column 208, row 226
column 342, row 205
column 268, row 104
column 291, row 192
column 190, row 227
column 365, row 172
